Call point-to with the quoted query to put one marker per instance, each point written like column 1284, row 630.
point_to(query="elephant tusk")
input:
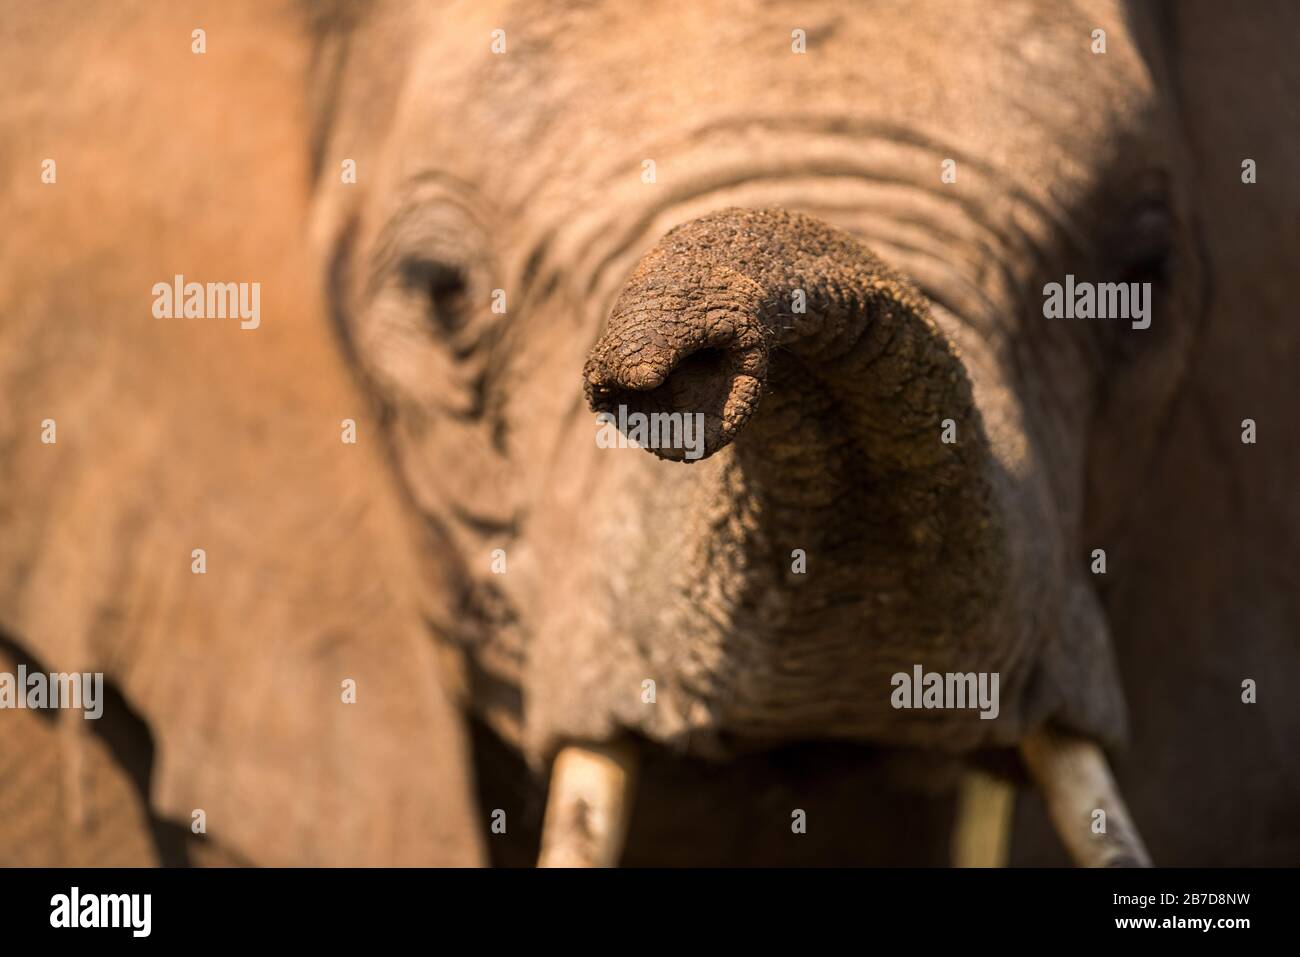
column 1076, row 783
column 982, row 830
column 588, row 806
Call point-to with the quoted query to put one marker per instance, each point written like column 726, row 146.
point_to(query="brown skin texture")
column 59, row 772
column 522, row 173
column 835, row 411
column 175, row 435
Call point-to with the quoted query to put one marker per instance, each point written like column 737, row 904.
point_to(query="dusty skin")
column 524, row 173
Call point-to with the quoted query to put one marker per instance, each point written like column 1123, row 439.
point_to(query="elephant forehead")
column 1016, row 85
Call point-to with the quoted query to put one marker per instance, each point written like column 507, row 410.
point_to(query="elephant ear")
column 173, row 435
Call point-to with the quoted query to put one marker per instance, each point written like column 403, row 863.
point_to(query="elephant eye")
column 445, row 290
column 1143, row 246
column 426, row 323
column 1147, row 246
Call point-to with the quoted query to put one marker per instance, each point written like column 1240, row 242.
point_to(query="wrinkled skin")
column 676, row 573
column 523, row 173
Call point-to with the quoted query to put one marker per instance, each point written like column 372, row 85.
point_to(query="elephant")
column 379, row 577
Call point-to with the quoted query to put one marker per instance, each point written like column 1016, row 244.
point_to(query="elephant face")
column 942, row 502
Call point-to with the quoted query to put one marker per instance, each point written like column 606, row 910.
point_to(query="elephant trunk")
column 861, row 392
column 743, row 304
column 856, row 443
column 849, row 437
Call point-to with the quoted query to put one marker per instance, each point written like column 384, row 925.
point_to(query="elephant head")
column 837, row 261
